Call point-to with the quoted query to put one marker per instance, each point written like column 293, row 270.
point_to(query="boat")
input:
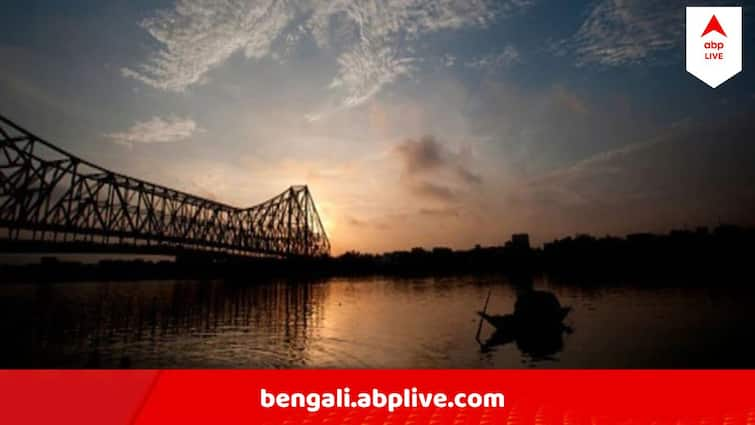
column 536, row 325
column 532, row 309
column 514, row 321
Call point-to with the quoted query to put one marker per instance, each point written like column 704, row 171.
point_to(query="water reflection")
column 535, row 326
column 166, row 324
column 372, row 322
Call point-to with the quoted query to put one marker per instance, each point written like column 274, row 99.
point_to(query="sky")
column 413, row 122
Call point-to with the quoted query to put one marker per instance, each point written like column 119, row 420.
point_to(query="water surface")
column 377, row 322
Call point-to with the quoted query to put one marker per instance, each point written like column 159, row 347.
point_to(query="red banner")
column 531, row 397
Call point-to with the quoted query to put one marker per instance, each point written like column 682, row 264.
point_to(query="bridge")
column 53, row 201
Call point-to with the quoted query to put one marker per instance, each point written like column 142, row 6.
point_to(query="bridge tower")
column 51, row 200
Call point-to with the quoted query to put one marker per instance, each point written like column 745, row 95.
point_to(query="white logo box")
column 712, row 56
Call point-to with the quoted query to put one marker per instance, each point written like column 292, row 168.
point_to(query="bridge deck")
column 51, row 198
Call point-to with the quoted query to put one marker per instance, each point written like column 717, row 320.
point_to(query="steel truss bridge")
column 53, row 201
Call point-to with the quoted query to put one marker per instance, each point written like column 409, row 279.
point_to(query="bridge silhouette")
column 53, row 201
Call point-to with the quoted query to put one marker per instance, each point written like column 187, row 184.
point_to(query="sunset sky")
column 414, row 122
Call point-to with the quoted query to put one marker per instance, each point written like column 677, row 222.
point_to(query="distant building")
column 641, row 237
column 520, row 241
column 442, row 250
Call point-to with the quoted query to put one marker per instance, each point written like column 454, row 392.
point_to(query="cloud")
column 156, row 130
column 380, row 223
column 421, row 155
column 467, row 176
column 537, row 130
column 432, row 171
column 497, row 60
column 386, row 31
column 433, row 191
column 355, row 222
column 569, row 101
column 692, row 174
column 618, row 32
column 198, row 36
column 373, row 40
column 366, row 69
column 448, row 60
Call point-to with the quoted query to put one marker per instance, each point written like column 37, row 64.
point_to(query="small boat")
column 534, row 309
column 535, row 325
column 514, row 321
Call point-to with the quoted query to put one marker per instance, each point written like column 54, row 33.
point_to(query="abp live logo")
column 714, row 43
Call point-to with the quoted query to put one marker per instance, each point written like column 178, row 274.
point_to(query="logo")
column 714, row 43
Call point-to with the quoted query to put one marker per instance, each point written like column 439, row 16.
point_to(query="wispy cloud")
column 156, row 130
column 508, row 56
column 366, row 69
column 687, row 174
column 448, row 60
column 618, row 32
column 373, row 39
column 198, row 36
column 380, row 53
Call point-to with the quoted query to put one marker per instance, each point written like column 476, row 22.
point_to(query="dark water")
column 364, row 322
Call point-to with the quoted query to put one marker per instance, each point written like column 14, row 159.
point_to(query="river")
column 374, row 322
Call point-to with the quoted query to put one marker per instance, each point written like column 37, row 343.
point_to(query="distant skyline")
column 414, row 122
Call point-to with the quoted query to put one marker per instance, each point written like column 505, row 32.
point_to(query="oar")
column 484, row 310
